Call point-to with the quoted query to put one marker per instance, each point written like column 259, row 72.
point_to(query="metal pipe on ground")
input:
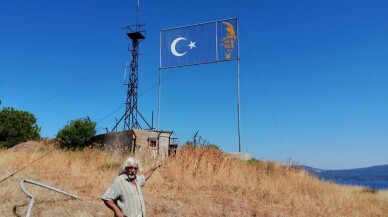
column 31, row 203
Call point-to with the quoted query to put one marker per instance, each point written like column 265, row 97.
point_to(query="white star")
column 191, row 45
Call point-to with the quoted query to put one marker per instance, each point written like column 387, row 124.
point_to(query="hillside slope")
column 197, row 182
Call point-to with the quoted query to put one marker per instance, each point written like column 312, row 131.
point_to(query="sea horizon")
column 377, row 185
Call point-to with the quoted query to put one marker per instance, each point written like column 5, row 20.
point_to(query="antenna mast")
column 131, row 113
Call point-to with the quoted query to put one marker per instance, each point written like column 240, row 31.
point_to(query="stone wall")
column 135, row 141
column 115, row 141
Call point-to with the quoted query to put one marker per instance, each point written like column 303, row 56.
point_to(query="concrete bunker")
column 154, row 142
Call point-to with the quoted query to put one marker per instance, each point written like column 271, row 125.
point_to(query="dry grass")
column 197, row 182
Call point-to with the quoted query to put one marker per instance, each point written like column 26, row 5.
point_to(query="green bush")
column 17, row 126
column 254, row 161
column 213, row 146
column 76, row 134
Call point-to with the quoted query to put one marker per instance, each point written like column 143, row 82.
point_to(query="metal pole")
column 216, row 41
column 31, row 203
column 159, row 92
column 160, row 75
column 137, row 15
column 238, row 89
column 238, row 105
column 152, row 119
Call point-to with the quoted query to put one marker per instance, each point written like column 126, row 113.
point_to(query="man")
column 124, row 196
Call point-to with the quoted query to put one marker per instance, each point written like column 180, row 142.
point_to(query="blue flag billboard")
column 200, row 43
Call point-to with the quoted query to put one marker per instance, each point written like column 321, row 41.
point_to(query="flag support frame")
column 238, row 74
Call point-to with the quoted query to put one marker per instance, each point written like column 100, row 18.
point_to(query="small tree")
column 17, row 126
column 76, row 134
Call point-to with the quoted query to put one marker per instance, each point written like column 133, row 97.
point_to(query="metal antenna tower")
column 131, row 112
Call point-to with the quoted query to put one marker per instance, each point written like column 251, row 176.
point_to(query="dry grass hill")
column 197, row 182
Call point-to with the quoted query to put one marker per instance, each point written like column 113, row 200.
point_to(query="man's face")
column 131, row 171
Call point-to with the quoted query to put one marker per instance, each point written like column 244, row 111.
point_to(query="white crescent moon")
column 173, row 47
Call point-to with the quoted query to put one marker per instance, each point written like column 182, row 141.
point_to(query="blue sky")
column 314, row 74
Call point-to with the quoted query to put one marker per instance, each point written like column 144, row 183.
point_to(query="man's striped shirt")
column 127, row 196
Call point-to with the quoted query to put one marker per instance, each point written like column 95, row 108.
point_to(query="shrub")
column 254, row 161
column 213, row 146
column 17, row 126
column 76, row 134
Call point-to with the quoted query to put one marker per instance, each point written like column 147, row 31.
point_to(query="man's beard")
column 132, row 177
